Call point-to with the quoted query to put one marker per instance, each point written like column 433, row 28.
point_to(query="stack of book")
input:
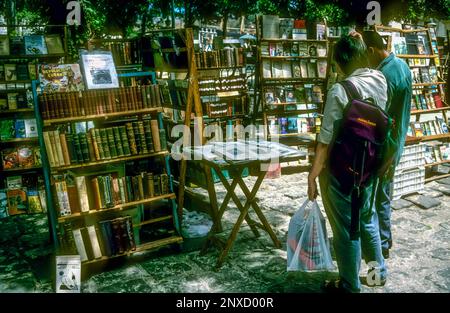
column 424, row 74
column 97, row 102
column 293, row 125
column 20, row 128
column 300, row 48
column 20, row 70
column 81, row 194
column 66, row 147
column 31, row 45
column 295, row 69
column 302, row 94
column 436, row 152
column 425, row 98
column 429, row 128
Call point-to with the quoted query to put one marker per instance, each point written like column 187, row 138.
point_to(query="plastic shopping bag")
column 308, row 248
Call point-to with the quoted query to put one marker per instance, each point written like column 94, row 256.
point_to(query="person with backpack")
column 399, row 79
column 347, row 158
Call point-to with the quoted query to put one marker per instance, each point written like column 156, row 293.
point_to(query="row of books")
column 411, row 43
column 231, row 57
column 97, row 102
column 222, row 107
column 424, row 98
column 17, row 71
column 16, row 100
column 274, row 27
column 24, row 156
column 299, row 93
column 429, row 128
column 22, row 195
column 31, row 45
column 424, row 75
column 294, row 125
column 66, row 147
column 295, row 69
column 18, row 129
column 222, row 84
column 436, row 151
column 418, row 62
column 124, row 53
column 110, row 237
column 83, row 194
column 294, row 49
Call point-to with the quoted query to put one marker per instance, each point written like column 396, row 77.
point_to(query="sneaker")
column 385, row 253
column 335, row 286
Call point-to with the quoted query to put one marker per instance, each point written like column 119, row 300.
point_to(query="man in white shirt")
column 351, row 57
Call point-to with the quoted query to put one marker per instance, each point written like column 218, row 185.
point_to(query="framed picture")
column 99, row 70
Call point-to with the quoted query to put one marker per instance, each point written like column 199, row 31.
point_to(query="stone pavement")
column 419, row 262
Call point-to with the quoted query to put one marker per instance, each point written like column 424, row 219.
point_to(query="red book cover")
column 438, row 100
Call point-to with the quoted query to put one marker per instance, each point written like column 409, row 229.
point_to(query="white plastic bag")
column 308, row 248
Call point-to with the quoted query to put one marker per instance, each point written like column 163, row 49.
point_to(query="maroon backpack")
column 358, row 151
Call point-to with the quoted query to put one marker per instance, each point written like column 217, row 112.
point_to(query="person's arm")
column 318, row 164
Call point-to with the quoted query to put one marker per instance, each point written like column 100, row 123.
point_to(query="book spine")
column 65, row 149
column 155, row 135
column 94, row 242
column 87, row 243
column 58, row 148
column 129, row 232
column 84, row 147
column 148, row 136
column 82, row 193
column 80, row 244
column 157, row 185
column 111, row 143
column 142, row 138
column 104, row 235
column 117, row 235
column 118, row 141
column 98, row 140
column 90, row 145
column 124, row 140
column 97, row 201
column 70, row 147
column 48, row 148
column 104, row 139
column 131, row 138
column 77, row 147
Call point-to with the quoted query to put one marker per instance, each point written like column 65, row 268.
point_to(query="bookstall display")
column 429, row 121
column 293, row 69
column 21, row 180
column 105, row 162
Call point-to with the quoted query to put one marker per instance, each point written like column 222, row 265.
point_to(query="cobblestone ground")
column 419, row 262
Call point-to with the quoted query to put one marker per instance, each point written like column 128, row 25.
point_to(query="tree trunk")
column 224, row 25
column 242, row 24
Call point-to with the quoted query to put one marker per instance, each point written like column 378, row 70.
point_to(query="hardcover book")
column 7, row 129
column 60, row 78
column 30, row 128
column 20, row 129
column 4, row 45
column 10, row 72
column 17, row 201
column 35, row 44
column 26, row 157
column 54, row 44
column 10, row 158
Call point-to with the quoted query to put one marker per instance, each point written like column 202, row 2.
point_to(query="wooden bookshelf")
column 17, row 111
column 285, row 81
column 103, row 116
column 221, row 68
column 22, row 169
column 143, row 247
column 416, row 56
column 110, row 161
column 293, row 40
column 14, row 90
column 28, row 81
column 311, row 135
column 119, row 207
column 290, row 112
column 411, row 140
column 284, row 57
column 429, row 110
column 427, row 84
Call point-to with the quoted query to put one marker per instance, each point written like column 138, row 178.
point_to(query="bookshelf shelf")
column 428, row 84
column 239, row 67
column 32, row 56
column 17, row 111
column 13, row 90
column 110, row 161
column 437, row 163
column 292, row 57
column 103, row 116
column 411, row 140
column 154, row 220
column 143, row 247
column 311, row 135
column 15, row 81
column 429, row 110
column 119, row 207
column 285, row 81
column 20, row 140
column 416, row 56
column 23, row 169
column 290, row 112
column 293, row 40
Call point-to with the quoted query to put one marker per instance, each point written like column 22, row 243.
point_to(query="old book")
column 99, row 145
column 17, row 201
column 65, row 149
column 80, row 244
column 58, row 147
column 26, row 157
column 111, row 143
column 117, row 234
column 94, row 242
column 157, row 185
column 137, row 137
column 49, row 150
column 105, row 145
column 62, row 197
column 35, row 44
column 72, row 194
column 107, row 244
column 124, row 140
column 142, row 137
column 164, row 184
column 131, row 138
column 118, row 141
column 97, row 195
column 4, row 45
column 129, row 233
column 54, row 44
column 87, row 243
column 155, row 135
column 90, row 145
column 82, row 193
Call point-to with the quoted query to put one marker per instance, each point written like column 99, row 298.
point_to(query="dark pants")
column 383, row 209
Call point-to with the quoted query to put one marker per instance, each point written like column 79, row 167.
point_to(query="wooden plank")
column 154, row 220
column 430, row 110
column 436, row 178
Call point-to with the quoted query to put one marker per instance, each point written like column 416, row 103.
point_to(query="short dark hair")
column 350, row 53
column 373, row 39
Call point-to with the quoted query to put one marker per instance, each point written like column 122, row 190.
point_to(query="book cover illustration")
column 3, row 204
column 68, row 274
column 10, row 159
column 20, row 129
column 60, row 78
column 35, row 44
column 30, row 128
column 99, row 70
column 17, row 201
column 7, row 129
column 26, row 158
column 10, row 72
column 4, row 45
column 14, row 182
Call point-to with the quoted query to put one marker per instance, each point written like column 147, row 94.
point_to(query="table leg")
column 217, row 224
column 262, row 218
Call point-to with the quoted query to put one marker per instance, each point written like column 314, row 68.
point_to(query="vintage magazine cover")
column 60, row 78
column 68, row 274
column 99, row 70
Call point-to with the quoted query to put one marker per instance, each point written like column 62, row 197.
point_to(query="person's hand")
column 312, row 188
column 355, row 34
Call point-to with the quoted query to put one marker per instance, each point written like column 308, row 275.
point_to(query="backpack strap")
column 350, row 89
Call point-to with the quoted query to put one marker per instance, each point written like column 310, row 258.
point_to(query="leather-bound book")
column 105, row 145
column 118, row 141
column 155, row 135
column 98, row 140
column 142, row 138
column 117, row 233
column 91, row 148
column 111, row 142
column 87, row 243
column 148, row 136
column 128, row 227
column 107, row 243
column 131, row 139
column 65, row 149
column 124, row 140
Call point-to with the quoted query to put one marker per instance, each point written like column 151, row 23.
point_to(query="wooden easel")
column 193, row 100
